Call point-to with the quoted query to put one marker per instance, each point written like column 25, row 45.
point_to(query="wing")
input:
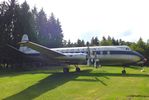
column 42, row 49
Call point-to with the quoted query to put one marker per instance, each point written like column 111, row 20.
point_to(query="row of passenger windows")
column 84, row 50
column 104, row 52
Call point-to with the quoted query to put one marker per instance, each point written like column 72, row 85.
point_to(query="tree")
column 148, row 42
column 95, row 41
column 106, row 42
column 34, row 36
column 109, row 41
column 79, row 43
column 114, row 42
column 139, row 46
column 43, row 36
column 103, row 41
column 65, row 43
column 92, row 41
column 70, row 44
column 24, row 23
column 141, row 43
column 83, row 43
column 7, row 22
column 54, row 31
column 3, row 35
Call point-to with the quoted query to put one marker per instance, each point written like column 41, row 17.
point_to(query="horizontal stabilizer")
column 26, row 49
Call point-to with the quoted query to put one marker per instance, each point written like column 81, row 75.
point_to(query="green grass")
column 104, row 83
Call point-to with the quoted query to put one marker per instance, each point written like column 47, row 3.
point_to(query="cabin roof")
column 95, row 47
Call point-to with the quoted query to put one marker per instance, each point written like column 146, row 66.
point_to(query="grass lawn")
column 104, row 83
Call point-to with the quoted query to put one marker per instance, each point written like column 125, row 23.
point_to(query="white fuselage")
column 105, row 55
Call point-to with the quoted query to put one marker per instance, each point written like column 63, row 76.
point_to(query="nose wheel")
column 124, row 71
column 66, row 70
column 77, row 68
column 142, row 68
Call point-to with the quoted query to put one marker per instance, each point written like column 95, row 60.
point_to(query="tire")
column 77, row 69
column 65, row 70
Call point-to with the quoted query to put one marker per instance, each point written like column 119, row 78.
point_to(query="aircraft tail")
column 25, row 38
column 25, row 49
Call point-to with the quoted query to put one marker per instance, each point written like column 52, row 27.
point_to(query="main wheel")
column 66, row 70
column 123, row 72
column 77, row 69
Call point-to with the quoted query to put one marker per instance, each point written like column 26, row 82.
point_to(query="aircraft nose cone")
column 144, row 60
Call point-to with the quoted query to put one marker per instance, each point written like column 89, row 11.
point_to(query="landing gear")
column 124, row 71
column 142, row 68
column 65, row 69
column 77, row 68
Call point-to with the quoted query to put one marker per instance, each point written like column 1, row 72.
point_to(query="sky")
column 84, row 19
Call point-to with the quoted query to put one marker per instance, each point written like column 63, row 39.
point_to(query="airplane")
column 90, row 55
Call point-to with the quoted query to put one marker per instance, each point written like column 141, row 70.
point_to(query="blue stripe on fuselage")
column 119, row 53
column 113, row 52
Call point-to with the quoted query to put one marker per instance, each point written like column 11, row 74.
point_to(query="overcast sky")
column 125, row 19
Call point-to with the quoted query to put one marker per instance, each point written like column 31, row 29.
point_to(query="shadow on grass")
column 135, row 67
column 42, row 86
column 6, row 73
column 51, row 82
column 11, row 73
column 105, row 75
column 144, row 96
column 91, row 80
column 57, row 79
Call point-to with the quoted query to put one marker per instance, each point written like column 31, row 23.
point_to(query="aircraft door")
column 128, row 56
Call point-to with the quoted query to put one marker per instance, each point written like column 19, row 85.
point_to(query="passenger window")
column 127, row 48
column 108, row 52
column 101, row 52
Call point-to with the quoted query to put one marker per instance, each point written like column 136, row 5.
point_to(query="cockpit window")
column 127, row 48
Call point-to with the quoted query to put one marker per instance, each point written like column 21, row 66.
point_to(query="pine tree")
column 94, row 41
column 3, row 19
column 109, row 41
column 79, row 43
column 55, row 32
column 7, row 22
column 104, row 41
column 43, row 36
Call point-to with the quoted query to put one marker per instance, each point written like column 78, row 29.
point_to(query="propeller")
column 144, row 61
column 95, row 59
column 91, row 57
column 88, row 57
